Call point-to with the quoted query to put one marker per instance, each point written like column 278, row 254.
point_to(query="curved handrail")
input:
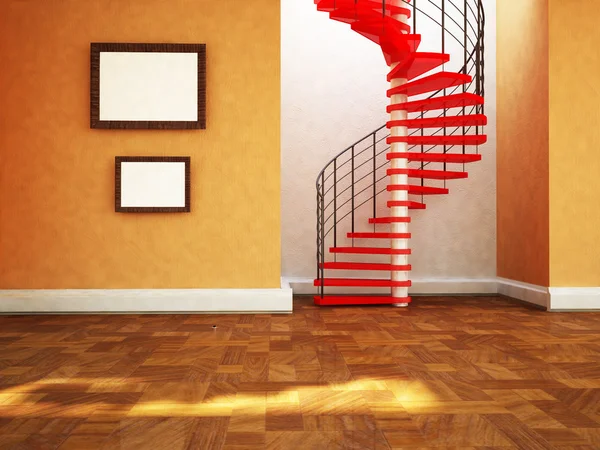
column 355, row 199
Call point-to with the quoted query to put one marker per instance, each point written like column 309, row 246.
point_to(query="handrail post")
column 352, row 189
column 335, row 206
column 374, row 176
column 322, row 277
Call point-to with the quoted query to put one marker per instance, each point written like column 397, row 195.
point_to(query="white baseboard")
column 574, row 298
column 530, row 293
column 423, row 286
column 147, row 300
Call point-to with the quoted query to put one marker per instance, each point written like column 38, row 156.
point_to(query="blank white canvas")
column 152, row 184
column 139, row 86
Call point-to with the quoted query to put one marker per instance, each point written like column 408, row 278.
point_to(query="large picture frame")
column 148, row 86
column 152, row 184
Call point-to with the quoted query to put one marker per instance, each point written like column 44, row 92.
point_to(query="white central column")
column 399, row 163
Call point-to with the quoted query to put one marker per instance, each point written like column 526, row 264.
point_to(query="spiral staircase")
column 367, row 193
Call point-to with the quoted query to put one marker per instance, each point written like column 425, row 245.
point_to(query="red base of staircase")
column 358, row 300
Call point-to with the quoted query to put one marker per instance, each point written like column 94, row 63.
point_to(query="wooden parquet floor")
column 447, row 373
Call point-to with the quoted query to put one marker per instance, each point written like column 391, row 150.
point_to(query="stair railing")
column 349, row 185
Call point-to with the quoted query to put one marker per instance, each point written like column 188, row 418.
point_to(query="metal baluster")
column 322, row 234
column 414, row 17
column 335, row 207
column 352, row 189
column 374, row 176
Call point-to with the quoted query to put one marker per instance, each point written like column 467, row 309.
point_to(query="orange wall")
column 522, row 146
column 574, row 143
column 58, row 228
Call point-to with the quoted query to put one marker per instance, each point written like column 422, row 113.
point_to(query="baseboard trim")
column 526, row 292
column 147, row 300
column 423, row 286
column 574, row 298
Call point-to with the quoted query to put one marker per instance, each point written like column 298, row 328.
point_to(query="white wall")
column 334, row 93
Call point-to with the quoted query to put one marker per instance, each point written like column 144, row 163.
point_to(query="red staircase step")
column 469, row 139
column 417, row 64
column 435, row 103
column 379, row 235
column 370, row 250
column 378, row 26
column 363, row 12
column 410, row 204
column 431, row 83
column 418, row 190
column 357, row 282
column 333, row 300
column 441, row 122
column 436, row 157
column 390, row 220
column 364, row 266
column 397, row 47
column 428, row 174
column 374, row 5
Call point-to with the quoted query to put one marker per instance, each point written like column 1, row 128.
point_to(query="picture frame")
column 152, row 184
column 147, row 86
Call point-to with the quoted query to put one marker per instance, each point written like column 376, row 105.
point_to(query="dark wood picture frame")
column 99, row 47
column 159, row 209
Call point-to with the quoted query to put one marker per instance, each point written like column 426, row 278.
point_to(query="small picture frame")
column 152, row 184
column 148, row 86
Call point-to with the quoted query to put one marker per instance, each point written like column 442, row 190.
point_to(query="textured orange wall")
column 522, row 146
column 58, row 228
column 574, row 143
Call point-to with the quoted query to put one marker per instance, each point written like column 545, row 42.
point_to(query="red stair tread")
column 403, row 203
column 358, row 282
column 378, row 26
column 331, row 300
column 370, row 250
column 431, row 83
column 436, row 157
column 428, row 174
column 441, row 122
column 390, row 220
column 398, row 46
column 376, row 235
column 374, row 5
column 435, row 103
column 420, row 190
column 417, row 64
column 363, row 12
column 469, row 139
column 364, row 266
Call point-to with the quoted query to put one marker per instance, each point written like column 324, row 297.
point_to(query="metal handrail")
column 348, row 197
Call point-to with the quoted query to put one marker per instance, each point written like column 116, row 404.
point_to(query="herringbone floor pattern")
column 452, row 373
